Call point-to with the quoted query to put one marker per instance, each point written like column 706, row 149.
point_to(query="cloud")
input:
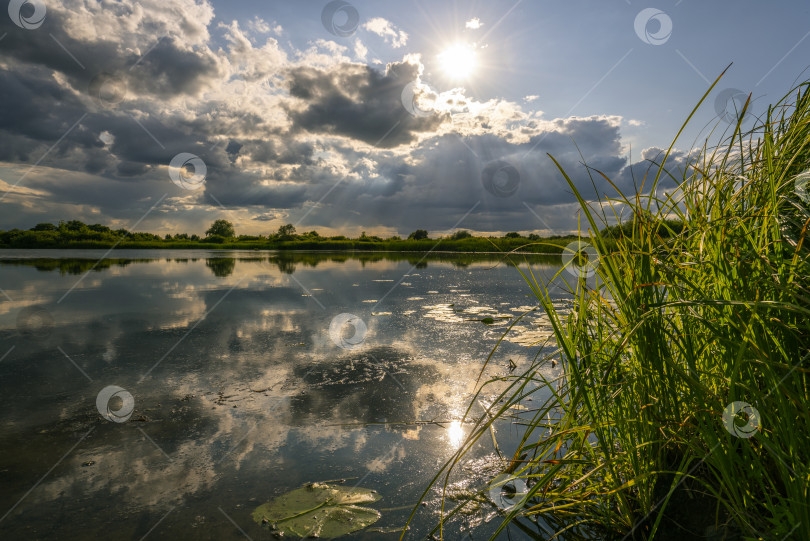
column 260, row 26
column 159, row 50
column 358, row 102
column 284, row 132
column 474, row 24
column 360, row 50
column 386, row 30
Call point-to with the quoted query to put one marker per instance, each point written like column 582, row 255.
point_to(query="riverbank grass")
column 683, row 411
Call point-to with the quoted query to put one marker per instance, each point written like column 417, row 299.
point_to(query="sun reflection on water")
column 455, row 434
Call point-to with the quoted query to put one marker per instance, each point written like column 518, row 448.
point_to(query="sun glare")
column 455, row 434
column 458, row 61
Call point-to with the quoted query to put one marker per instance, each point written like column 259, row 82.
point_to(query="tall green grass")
column 674, row 327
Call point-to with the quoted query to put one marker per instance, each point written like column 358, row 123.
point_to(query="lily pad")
column 319, row 510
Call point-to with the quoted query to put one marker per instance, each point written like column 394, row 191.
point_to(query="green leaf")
column 319, row 510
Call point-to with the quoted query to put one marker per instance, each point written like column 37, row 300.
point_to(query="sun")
column 458, row 61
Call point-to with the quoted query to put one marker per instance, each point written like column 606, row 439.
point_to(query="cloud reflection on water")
column 253, row 402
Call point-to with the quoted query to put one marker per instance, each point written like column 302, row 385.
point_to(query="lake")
column 167, row 394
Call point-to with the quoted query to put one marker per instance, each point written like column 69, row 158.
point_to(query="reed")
column 674, row 327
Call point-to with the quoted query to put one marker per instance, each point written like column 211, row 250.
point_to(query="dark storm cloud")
column 443, row 181
column 233, row 149
column 33, row 107
column 278, row 151
column 167, row 70
column 131, row 169
column 642, row 175
column 239, row 190
column 359, row 102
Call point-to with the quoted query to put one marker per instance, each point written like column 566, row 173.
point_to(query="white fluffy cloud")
column 360, row 50
column 386, row 30
column 260, row 26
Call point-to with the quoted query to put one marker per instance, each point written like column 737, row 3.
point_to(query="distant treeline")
column 221, row 234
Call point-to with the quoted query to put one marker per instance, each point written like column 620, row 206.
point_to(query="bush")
column 215, row 239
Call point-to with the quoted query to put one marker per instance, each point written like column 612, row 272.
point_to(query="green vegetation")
column 220, row 228
column 221, row 235
column 639, row 438
column 319, row 510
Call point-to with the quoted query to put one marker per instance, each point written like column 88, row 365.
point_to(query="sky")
column 374, row 116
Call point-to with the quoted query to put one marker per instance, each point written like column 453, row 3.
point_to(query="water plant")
column 683, row 409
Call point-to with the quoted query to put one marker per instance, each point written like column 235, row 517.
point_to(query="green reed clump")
column 674, row 327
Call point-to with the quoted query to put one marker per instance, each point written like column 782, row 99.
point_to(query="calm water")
column 240, row 393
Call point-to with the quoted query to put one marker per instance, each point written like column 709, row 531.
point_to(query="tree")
column 221, row 266
column 222, row 228
column 73, row 225
column 419, row 234
column 534, row 236
column 461, row 234
column 44, row 227
column 512, row 235
column 286, row 231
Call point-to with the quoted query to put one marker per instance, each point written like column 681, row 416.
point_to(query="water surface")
column 240, row 392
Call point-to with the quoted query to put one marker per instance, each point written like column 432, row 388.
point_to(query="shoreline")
column 275, row 250
column 49, row 253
